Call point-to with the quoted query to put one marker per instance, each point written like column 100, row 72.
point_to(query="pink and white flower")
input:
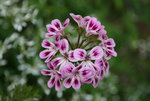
column 56, row 28
column 91, row 24
column 82, row 22
column 102, row 34
column 103, row 66
column 108, row 47
column 50, row 51
column 94, row 54
column 66, row 56
column 97, row 75
column 76, row 67
column 75, row 75
column 56, row 76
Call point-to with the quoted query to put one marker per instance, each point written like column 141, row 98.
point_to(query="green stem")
column 69, row 42
column 79, row 36
column 82, row 43
column 89, row 48
column 88, row 43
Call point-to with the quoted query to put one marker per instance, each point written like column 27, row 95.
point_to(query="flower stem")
column 79, row 36
column 89, row 48
column 69, row 42
column 82, row 43
column 88, row 43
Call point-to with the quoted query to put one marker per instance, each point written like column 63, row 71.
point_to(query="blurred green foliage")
column 22, row 26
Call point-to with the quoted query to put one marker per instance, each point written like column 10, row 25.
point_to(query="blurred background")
column 22, row 26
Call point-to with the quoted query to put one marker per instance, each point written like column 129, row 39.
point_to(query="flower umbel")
column 73, row 64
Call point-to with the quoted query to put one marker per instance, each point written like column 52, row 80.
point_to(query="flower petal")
column 57, row 39
column 100, row 63
column 95, row 82
column 77, row 18
column 46, row 72
column 68, row 82
column 57, row 24
column 50, row 66
column 57, row 85
column 48, row 35
column 112, row 52
column 59, row 74
column 66, row 22
column 80, row 54
column 51, row 28
column 92, row 26
column 50, row 56
column 71, row 56
column 96, row 68
column 109, row 42
column 87, row 64
column 51, row 82
column 96, row 27
column 57, row 61
column 66, row 68
column 45, row 53
column 47, row 44
column 106, row 68
column 107, row 55
column 102, row 35
column 87, row 72
column 87, row 80
column 96, row 53
column 64, row 46
column 109, row 52
column 85, row 21
column 79, row 67
column 76, row 83
column 101, row 75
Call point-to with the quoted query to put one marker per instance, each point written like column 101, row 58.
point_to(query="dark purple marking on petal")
column 52, row 29
column 47, row 44
column 56, row 62
column 76, row 81
column 72, row 55
column 53, row 79
column 47, row 72
column 81, row 53
column 49, row 35
column 46, row 53
column 101, row 63
column 59, row 74
column 50, row 66
column 91, row 23
column 69, row 69
column 108, row 43
column 63, row 47
column 58, row 83
column 95, row 53
column 69, row 81
column 79, row 67
column 77, row 18
column 95, row 68
column 88, row 80
column 96, row 80
column 102, row 73
column 57, row 25
column 94, row 27
column 84, row 73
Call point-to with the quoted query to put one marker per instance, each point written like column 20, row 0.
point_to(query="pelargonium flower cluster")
column 83, row 62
